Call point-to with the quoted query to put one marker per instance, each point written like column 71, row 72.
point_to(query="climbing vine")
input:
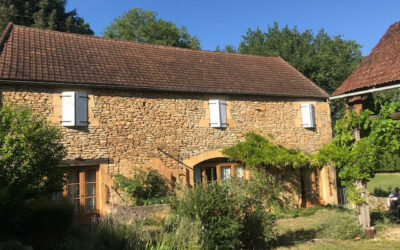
column 259, row 152
column 358, row 160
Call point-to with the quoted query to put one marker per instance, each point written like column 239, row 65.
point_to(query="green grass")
column 385, row 181
column 322, row 229
column 331, row 244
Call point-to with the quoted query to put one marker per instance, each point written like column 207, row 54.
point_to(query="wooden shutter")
column 222, row 110
column 307, row 116
column 215, row 119
column 81, row 109
column 68, row 109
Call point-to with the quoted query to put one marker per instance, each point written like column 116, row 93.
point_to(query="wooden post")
column 363, row 210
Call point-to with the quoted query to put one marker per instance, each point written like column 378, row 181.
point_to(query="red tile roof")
column 36, row 55
column 381, row 66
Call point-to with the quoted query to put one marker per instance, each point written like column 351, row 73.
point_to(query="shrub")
column 144, row 188
column 381, row 192
column 30, row 155
column 45, row 222
column 30, row 160
column 230, row 216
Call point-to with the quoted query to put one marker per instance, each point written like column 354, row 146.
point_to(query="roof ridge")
column 142, row 43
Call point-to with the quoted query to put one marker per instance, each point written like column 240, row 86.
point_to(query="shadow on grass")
column 290, row 238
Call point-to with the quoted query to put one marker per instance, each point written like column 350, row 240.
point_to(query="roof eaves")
column 91, row 85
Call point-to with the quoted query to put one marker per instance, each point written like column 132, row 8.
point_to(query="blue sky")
column 224, row 22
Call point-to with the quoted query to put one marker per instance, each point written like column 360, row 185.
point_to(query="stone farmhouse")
column 125, row 105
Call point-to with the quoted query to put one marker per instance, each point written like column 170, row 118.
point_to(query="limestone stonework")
column 170, row 131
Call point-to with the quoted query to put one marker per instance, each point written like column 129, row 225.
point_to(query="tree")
column 30, row 156
column 144, row 26
column 48, row 14
column 360, row 147
column 326, row 60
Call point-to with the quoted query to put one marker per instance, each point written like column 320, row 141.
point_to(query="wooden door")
column 82, row 191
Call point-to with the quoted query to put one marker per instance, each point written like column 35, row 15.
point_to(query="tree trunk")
column 363, row 210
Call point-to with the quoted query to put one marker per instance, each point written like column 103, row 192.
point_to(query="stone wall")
column 170, row 131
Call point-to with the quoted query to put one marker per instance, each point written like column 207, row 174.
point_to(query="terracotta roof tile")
column 381, row 66
column 36, row 55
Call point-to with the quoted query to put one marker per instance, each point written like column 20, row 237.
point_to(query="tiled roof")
column 381, row 66
column 37, row 55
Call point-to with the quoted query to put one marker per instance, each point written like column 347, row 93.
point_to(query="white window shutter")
column 307, row 116
column 215, row 119
column 222, row 110
column 68, row 109
column 81, row 109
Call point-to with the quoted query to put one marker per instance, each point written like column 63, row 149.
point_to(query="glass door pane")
column 73, row 189
column 239, row 172
column 197, row 175
column 90, row 190
column 225, row 172
column 211, row 174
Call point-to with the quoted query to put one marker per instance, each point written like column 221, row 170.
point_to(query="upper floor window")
column 307, row 115
column 217, row 113
column 74, row 109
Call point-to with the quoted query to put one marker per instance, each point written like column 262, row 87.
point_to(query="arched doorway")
column 218, row 169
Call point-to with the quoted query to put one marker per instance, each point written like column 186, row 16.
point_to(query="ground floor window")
column 82, row 191
column 208, row 172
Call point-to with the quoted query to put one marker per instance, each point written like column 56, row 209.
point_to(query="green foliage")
column 30, row 155
column 144, row 26
column 30, row 164
column 230, row 215
column 228, row 48
column 326, row 60
column 48, row 14
column 258, row 152
column 110, row 233
column 45, row 222
column 358, row 160
column 144, row 188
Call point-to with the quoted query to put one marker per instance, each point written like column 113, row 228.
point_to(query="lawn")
column 324, row 229
column 386, row 181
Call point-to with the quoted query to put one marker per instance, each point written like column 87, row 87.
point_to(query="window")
column 74, row 109
column 81, row 189
column 217, row 113
column 226, row 172
column 307, row 116
column 206, row 173
column 239, row 171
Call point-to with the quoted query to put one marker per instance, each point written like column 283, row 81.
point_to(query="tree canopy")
column 144, row 26
column 49, row 14
column 326, row 60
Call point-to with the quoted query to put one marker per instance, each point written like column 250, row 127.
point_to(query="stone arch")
column 194, row 160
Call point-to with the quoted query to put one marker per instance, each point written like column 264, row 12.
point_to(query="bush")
column 45, row 222
column 30, row 155
column 30, row 166
column 138, row 234
column 381, row 192
column 230, row 216
column 146, row 187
